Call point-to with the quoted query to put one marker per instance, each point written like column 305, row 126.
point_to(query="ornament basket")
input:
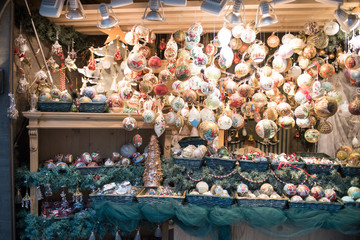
column 327, row 206
column 214, row 163
column 210, row 201
column 142, row 197
column 122, row 199
column 54, row 106
column 196, row 141
column 352, row 204
column 92, row 107
column 313, row 168
column 189, row 163
column 257, row 202
column 249, row 165
column 350, row 171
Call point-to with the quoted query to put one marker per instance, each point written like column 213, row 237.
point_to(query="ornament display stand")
column 70, row 120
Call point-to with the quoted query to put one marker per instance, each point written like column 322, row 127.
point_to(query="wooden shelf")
column 101, row 126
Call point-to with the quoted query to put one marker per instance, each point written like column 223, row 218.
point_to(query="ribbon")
column 284, row 164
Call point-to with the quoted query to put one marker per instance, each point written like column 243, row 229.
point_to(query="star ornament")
column 114, row 33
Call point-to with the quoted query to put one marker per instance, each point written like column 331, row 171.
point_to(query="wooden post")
column 167, row 143
column 34, row 165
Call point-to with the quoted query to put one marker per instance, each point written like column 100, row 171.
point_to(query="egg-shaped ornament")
column 179, row 36
column 238, row 121
column 330, row 194
column 325, row 107
column 286, row 122
column 266, row 128
column 331, row 28
column 326, row 70
column 224, row 36
column 194, row 117
column 279, row 64
column 182, row 72
column 283, row 109
column 226, row 57
column 312, row 135
column 354, row 105
column 248, row 35
column 343, row 110
column 137, row 140
column 285, row 51
column 131, row 38
column 242, row 69
column 242, row 189
column 149, row 116
column 325, row 127
column 287, row 38
column 160, row 124
column 129, row 123
column 273, row 41
column 136, row 62
column 211, row 49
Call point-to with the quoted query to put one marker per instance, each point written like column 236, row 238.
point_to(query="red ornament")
column 162, row 44
column 236, row 58
column 154, row 62
column 96, row 177
column 118, row 55
column 161, row 89
column 92, row 64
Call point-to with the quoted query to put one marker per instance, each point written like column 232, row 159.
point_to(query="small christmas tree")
column 153, row 172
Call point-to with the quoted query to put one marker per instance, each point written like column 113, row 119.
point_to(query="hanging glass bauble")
column 196, row 27
column 304, row 80
column 189, row 95
column 248, row 109
column 182, row 72
column 131, row 38
column 303, row 62
column 195, row 82
column 266, row 83
column 224, row 36
column 170, row 53
column 312, row 135
column 248, row 35
column 170, row 118
column 207, row 88
column 301, row 112
column 236, row 31
column 242, row 69
column 194, row 117
column 354, row 105
column 286, row 122
column 201, row 60
column 236, row 100
column 226, row 57
column 142, row 31
column 259, row 99
column 129, row 123
column 212, row 73
column 283, row 109
column 161, row 89
column 245, row 90
column 326, row 70
column 325, row 127
column 287, row 38
column 177, row 104
column 277, row 78
column 212, row 102
column 352, row 61
column 208, row 130
column 258, row 53
column 309, row 51
column 320, row 40
column 235, row 44
column 136, row 62
column 165, row 76
column 271, row 114
column 154, row 62
column 146, row 86
column 297, row 44
column 179, row 36
column 207, row 115
column 325, row 107
column 224, row 122
column 237, row 121
column 211, row 49
column 279, row 64
column 310, row 28
column 145, row 51
column 266, row 128
column 273, row 41
column 160, row 125
column 303, row 122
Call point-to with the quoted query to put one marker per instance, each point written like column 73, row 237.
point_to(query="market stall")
column 210, row 126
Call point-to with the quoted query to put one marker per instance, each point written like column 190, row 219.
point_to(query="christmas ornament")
column 317, row 192
column 326, row 70
column 325, row 107
column 129, row 123
column 154, row 62
column 290, row 189
column 208, row 130
column 312, row 135
column 331, row 28
column 273, row 41
column 160, row 125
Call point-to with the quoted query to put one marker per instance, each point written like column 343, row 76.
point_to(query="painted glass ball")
column 317, row 192
column 127, row 150
column 325, row 127
column 290, row 189
column 297, row 44
column 212, row 102
column 266, row 83
column 311, row 28
column 136, row 62
column 310, row 199
column 90, row 92
column 242, row 189
column 331, row 28
column 100, row 98
column 309, row 51
column 236, row 31
column 248, row 35
column 326, row 70
column 301, row 112
column 266, row 128
column 302, row 190
column 224, row 122
column 259, row 99
column 287, row 38
column 170, row 118
column 354, row 106
column 165, row 76
column 149, row 116
column 267, row 189
column 245, row 90
column 270, row 113
column 242, row 69
column 55, row 93
column 258, row 54
column 85, row 99
column 131, row 38
column 179, row 36
column 202, row 187
column 137, row 140
column 273, row 41
column 182, row 72
column 286, row 122
column 86, row 157
column 312, row 135
column 279, row 64
column 236, row 100
column 208, row 130
column 325, row 107
column 285, row 51
column 330, row 194
column 354, row 192
column 129, row 123
column 237, row 120
column 296, row 198
column 283, row 109
column 154, row 62
column 177, row 104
